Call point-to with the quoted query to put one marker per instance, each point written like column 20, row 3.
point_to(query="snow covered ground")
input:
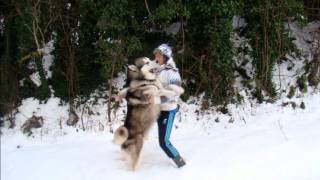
column 269, row 142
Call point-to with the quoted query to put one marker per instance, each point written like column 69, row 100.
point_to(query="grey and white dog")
column 141, row 114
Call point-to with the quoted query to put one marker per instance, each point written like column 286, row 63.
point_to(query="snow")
column 238, row 22
column 173, row 29
column 242, row 59
column 1, row 25
column 35, row 78
column 306, row 38
column 274, row 142
column 307, row 41
column 47, row 59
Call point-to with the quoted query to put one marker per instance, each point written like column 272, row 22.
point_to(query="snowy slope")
column 276, row 143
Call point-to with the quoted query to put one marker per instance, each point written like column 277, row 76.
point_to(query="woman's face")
column 159, row 58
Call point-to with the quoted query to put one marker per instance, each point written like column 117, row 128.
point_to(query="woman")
column 168, row 74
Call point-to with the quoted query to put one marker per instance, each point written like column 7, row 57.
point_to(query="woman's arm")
column 173, row 89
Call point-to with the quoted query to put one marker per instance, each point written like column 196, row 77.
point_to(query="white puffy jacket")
column 170, row 78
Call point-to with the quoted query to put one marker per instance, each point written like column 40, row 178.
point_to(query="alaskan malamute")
column 141, row 114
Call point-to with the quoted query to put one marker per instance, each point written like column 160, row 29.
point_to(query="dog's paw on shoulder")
column 177, row 89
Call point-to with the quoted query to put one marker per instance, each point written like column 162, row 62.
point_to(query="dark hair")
column 166, row 58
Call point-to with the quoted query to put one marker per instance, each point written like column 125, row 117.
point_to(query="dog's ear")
column 145, row 60
column 133, row 68
column 125, row 67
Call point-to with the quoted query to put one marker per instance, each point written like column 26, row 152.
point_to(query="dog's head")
column 142, row 69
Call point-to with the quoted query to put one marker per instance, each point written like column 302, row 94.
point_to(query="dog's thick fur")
column 141, row 114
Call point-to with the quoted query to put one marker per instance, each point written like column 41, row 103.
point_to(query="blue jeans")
column 165, row 123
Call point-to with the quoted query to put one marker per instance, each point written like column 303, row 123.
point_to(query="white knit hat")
column 164, row 49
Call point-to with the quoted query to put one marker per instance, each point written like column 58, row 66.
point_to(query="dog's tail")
column 120, row 135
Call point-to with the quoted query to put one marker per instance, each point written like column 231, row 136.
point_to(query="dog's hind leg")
column 132, row 148
column 139, row 144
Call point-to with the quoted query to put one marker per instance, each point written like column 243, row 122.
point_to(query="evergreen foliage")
column 268, row 36
column 93, row 39
column 208, row 39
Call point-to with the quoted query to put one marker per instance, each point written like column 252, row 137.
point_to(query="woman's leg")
column 165, row 123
